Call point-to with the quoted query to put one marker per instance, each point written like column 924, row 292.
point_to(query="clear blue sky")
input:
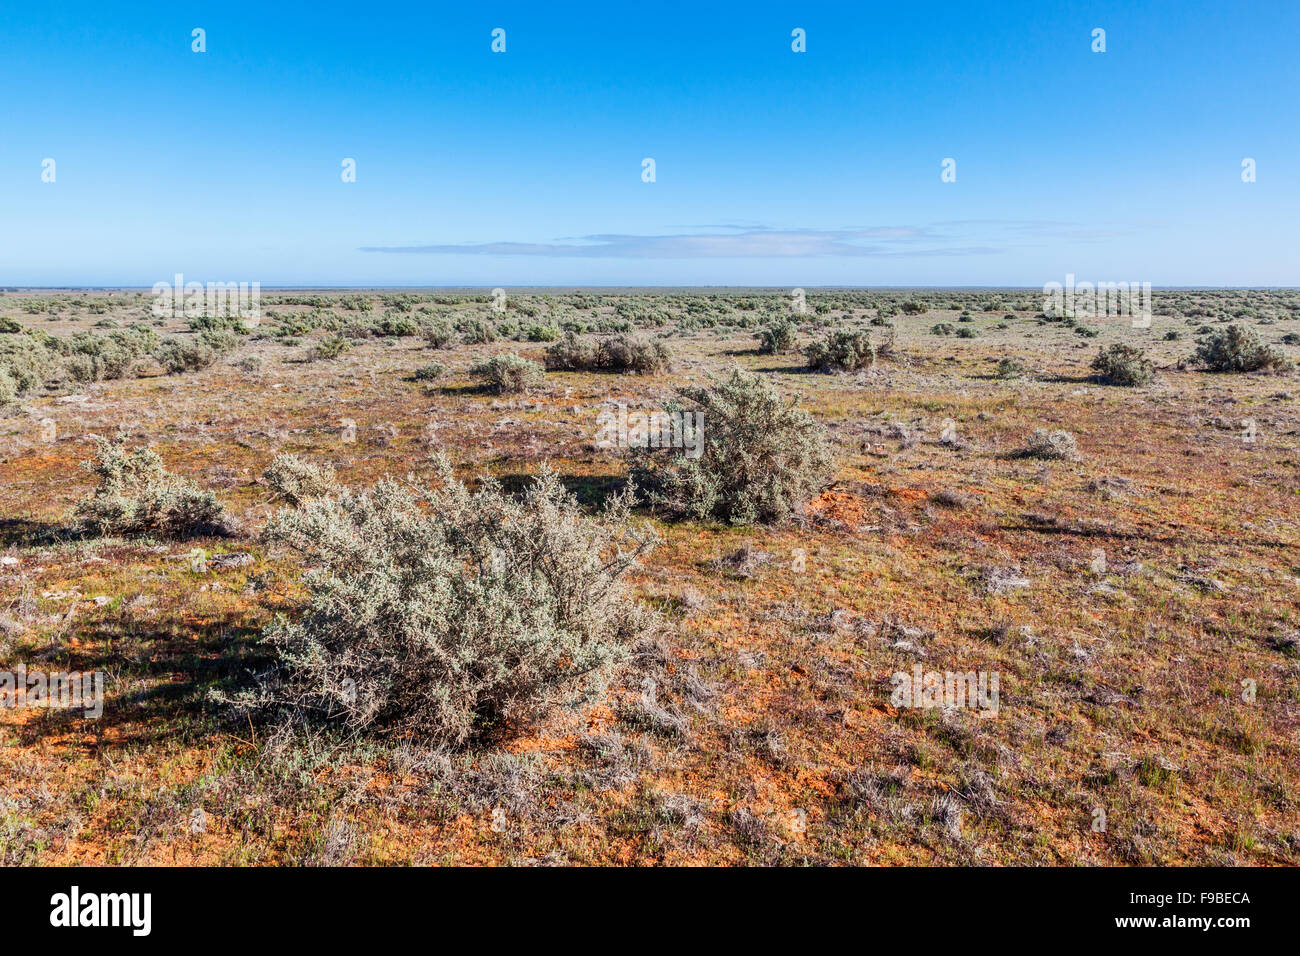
column 773, row 167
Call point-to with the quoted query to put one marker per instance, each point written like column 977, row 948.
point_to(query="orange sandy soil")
column 1120, row 691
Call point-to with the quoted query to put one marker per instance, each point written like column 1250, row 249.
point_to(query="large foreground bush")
column 761, row 457
column 136, row 496
column 446, row 614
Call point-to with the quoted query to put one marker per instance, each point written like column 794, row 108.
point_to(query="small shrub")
column 1010, row 368
column 330, row 347
column 295, row 481
column 760, row 458
column 477, row 332
column 776, row 338
column 8, row 388
column 443, row 615
column 8, row 325
column 965, row 333
column 617, row 353
column 1120, row 364
column 571, row 354
column 178, row 355
column 1058, row 445
column 27, row 360
column 136, row 496
column 1238, row 349
column 430, row 372
column 627, row 353
column 846, row 350
column 540, row 333
column 439, row 335
column 943, row 328
column 509, row 374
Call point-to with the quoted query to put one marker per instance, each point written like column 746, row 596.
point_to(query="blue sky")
column 772, row 167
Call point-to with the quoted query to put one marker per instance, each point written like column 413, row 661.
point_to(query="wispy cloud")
column 723, row 242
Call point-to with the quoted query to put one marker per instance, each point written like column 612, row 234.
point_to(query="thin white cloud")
column 735, row 243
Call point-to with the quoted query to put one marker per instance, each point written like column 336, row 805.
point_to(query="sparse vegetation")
column 1121, row 598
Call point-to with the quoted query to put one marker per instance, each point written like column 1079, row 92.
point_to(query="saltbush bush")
column 178, row 355
column 1057, row 445
column 846, row 350
column 439, row 335
column 27, row 361
column 136, row 496
column 296, row 482
column 760, row 458
column 1238, row 349
column 1120, row 364
column 509, row 374
column 776, row 338
column 617, row 353
column 1011, row 368
column 447, row 616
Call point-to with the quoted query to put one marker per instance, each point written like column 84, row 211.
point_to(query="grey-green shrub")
column 1238, row 349
column 330, row 347
column 27, row 360
column 615, row 353
column 476, row 332
column 776, row 338
column 295, row 481
column 847, row 350
column 1120, row 364
column 761, row 458
column 1010, row 368
column 136, row 496
column 430, row 372
column 178, row 355
column 633, row 353
column 1054, row 445
column 571, row 354
column 445, row 615
column 439, row 335
column 509, row 374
